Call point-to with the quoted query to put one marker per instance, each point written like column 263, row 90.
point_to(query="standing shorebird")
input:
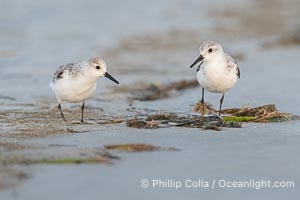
column 219, row 71
column 76, row 82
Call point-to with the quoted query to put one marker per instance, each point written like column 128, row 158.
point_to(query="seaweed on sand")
column 135, row 123
column 163, row 120
column 264, row 113
column 233, row 119
column 104, row 158
column 137, row 148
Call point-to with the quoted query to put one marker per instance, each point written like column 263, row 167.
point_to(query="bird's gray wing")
column 232, row 65
column 62, row 70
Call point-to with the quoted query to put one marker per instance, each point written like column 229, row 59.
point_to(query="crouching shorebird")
column 76, row 82
column 219, row 71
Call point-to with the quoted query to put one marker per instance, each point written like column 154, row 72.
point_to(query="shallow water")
column 147, row 42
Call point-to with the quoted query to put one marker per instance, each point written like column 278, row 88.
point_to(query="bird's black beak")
column 199, row 59
column 107, row 75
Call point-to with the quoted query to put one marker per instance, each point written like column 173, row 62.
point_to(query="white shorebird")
column 76, row 82
column 219, row 71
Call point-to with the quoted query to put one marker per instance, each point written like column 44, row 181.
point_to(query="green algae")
column 239, row 118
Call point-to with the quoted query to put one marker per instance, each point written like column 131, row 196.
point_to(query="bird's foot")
column 219, row 119
column 64, row 119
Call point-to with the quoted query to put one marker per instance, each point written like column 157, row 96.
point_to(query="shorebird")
column 219, row 71
column 77, row 82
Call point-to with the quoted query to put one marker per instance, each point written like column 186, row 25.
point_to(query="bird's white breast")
column 73, row 89
column 214, row 76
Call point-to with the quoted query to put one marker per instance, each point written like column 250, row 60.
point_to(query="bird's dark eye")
column 210, row 50
column 97, row 67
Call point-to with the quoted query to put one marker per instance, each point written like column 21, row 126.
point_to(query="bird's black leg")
column 82, row 109
column 203, row 107
column 202, row 100
column 61, row 113
column 221, row 102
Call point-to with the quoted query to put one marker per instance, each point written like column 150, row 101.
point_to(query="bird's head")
column 209, row 50
column 99, row 68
